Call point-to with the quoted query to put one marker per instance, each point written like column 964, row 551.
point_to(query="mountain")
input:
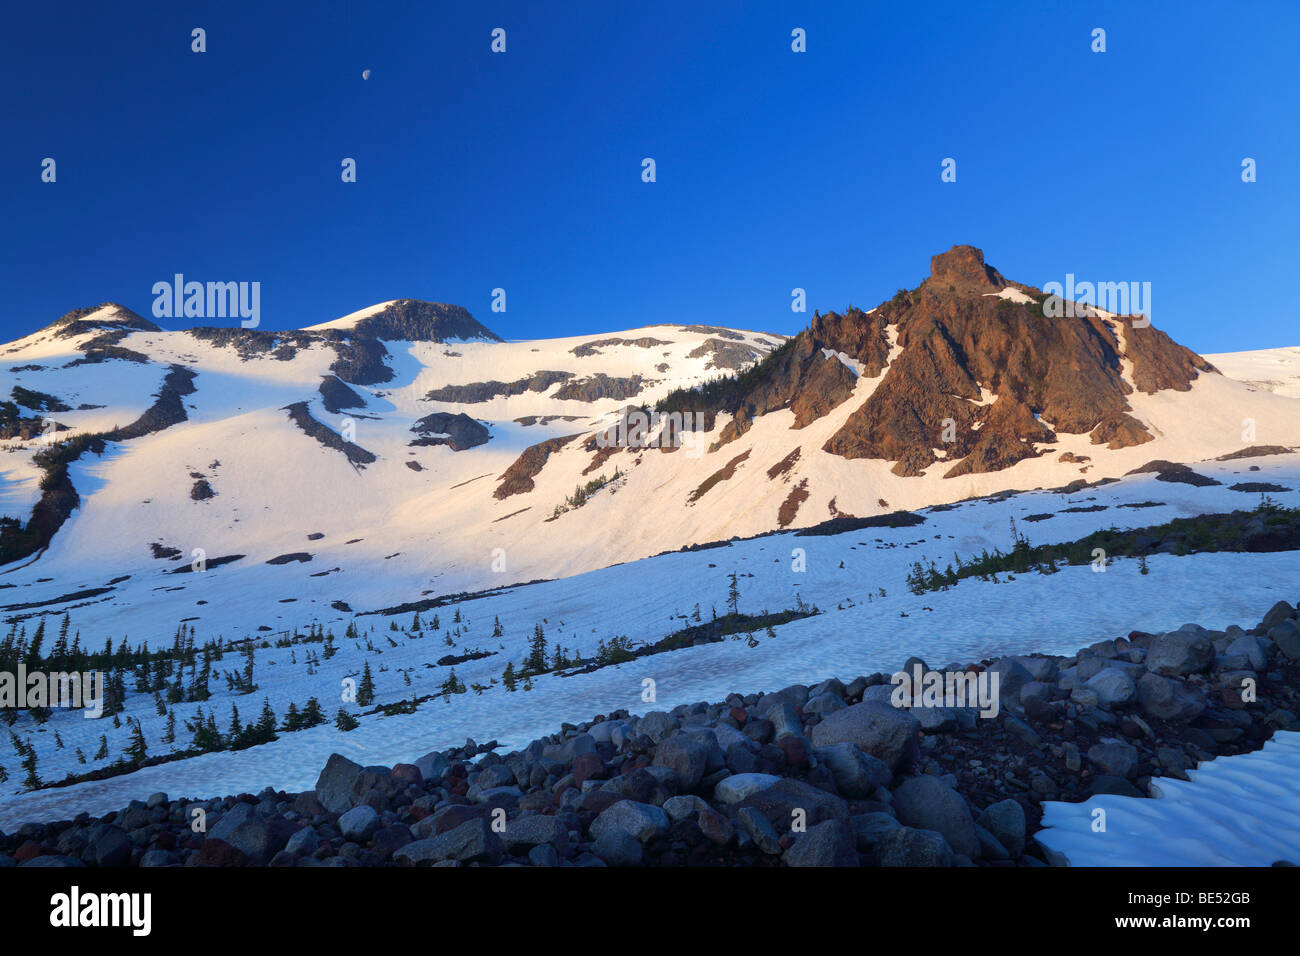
column 405, row 451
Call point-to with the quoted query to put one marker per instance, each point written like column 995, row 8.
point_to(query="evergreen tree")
column 345, row 721
column 136, row 749
column 508, row 677
column 312, row 715
column 169, row 734
column 366, row 690
column 102, row 752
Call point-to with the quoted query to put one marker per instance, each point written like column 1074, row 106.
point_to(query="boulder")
column 857, row 774
column 885, row 732
column 927, row 803
column 829, row 843
column 909, row 847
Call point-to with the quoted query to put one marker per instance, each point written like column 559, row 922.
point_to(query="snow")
column 393, row 535
column 644, row 601
column 350, row 320
column 1242, row 810
column 1274, row 370
column 1012, row 294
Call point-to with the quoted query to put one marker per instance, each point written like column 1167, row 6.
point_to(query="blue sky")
column 818, row 170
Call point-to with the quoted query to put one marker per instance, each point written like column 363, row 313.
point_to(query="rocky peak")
column 963, row 267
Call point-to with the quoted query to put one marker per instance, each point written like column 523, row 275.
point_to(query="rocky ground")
column 827, row 775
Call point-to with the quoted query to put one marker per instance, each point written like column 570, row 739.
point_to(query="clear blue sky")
column 775, row 169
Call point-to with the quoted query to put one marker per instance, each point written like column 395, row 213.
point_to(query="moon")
column 365, row 74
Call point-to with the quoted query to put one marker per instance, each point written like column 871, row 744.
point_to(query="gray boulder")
column 909, row 847
column 1169, row 699
column 857, row 775
column 359, row 824
column 642, row 821
column 830, row 843
column 335, row 785
column 1006, row 821
column 1188, row 650
column 927, row 803
column 876, row 728
column 687, row 756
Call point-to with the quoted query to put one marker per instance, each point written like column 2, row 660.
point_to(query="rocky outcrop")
column 475, row 392
column 982, row 378
column 458, row 432
column 518, row 478
column 355, row 454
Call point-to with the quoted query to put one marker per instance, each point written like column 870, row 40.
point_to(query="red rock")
column 407, row 773
column 588, row 767
column 739, row 715
column 29, row 851
column 220, row 853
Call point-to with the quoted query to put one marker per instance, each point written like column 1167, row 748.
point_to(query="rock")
column 1169, row 699
column 256, row 837
column 303, row 843
column 789, row 800
column 156, row 800
column 830, row 843
column 991, row 847
column 1006, row 821
column 738, row 786
column 216, row 852
column 588, row 767
column 1106, row 783
column 857, row 775
column 823, row 704
column 656, row 725
column 686, row 756
column 618, row 848
column 908, row 847
column 107, row 846
column 432, row 766
column 471, row 842
column 1019, row 728
column 684, row 807
column 716, row 827
column 1278, row 613
column 543, row 855
column 565, row 751
column 152, row 858
column 1114, row 757
column 1179, row 653
column 760, row 830
column 1245, row 653
column 407, row 774
column 359, row 824
column 1013, row 675
column 1286, row 636
column 1113, row 687
column 870, row 828
column 524, row 833
column 639, row 820
column 876, row 728
column 335, row 785
column 927, row 803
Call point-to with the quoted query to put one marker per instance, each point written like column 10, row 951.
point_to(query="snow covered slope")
column 869, row 622
column 1274, row 370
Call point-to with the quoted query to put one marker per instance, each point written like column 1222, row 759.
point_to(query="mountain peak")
column 963, row 266
column 412, row 320
column 94, row 317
